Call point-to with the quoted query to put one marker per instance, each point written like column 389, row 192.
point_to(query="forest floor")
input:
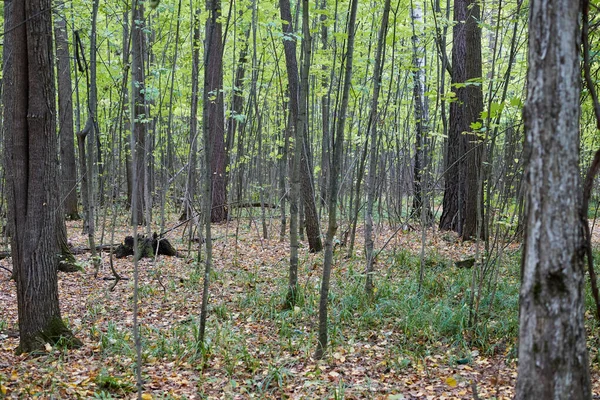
column 405, row 344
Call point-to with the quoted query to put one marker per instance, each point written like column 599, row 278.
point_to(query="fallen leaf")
column 450, row 381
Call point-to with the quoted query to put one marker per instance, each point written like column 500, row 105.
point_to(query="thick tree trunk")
column 462, row 191
column 553, row 361
column 68, row 168
column 31, row 156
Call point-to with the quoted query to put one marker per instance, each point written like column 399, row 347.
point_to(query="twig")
column 474, row 388
column 6, row 269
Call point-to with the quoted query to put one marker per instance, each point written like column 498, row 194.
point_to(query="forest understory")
column 403, row 344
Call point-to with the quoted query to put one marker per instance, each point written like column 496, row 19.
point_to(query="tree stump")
column 147, row 246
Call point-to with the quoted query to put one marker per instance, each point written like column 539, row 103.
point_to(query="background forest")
column 362, row 165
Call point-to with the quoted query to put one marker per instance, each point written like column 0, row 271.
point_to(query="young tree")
column 31, row 157
column 421, row 115
column 191, row 184
column 68, row 169
column 139, row 116
column 334, row 181
column 463, row 160
column 553, row 360
column 373, row 118
column 298, row 120
column 215, row 115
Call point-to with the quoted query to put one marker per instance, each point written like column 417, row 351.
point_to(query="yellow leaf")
column 3, row 389
column 450, row 381
column 146, row 396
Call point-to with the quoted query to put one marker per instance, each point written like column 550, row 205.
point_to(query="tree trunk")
column 421, row 120
column 191, row 184
column 216, row 116
column 297, row 101
column 334, row 183
column 553, row 360
column 139, row 117
column 31, row 156
column 373, row 119
column 292, row 131
column 68, row 168
column 464, row 152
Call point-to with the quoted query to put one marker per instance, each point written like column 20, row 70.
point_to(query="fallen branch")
column 249, row 205
column 100, row 247
column 6, row 269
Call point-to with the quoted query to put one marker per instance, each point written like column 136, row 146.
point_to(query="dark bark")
column 334, row 185
column 191, row 182
column 462, row 191
column 237, row 103
column 371, row 179
column 292, row 129
column 421, row 123
column 68, row 169
column 325, row 142
column 215, row 115
column 300, row 131
column 553, row 359
column 139, row 117
column 66, row 259
column 31, row 156
column 147, row 247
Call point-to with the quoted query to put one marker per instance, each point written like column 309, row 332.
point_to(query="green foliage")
column 112, row 384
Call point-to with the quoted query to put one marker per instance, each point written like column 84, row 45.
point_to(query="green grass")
column 413, row 323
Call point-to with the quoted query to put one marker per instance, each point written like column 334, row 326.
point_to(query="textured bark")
column 31, row 156
column 336, row 167
column 298, row 119
column 139, row 116
column 215, row 113
column 191, row 180
column 464, row 152
column 421, row 114
column 237, row 104
column 292, row 72
column 325, row 141
column 373, row 118
column 553, row 361
column 68, row 169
